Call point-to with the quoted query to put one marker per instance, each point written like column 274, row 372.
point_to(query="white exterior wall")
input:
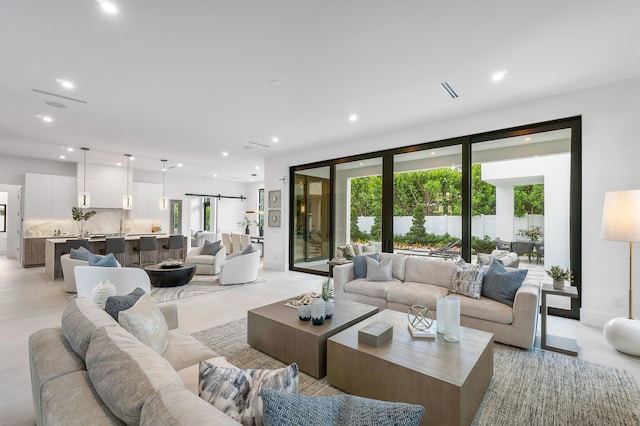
column 609, row 162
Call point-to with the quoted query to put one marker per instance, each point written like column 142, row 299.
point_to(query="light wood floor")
column 29, row 300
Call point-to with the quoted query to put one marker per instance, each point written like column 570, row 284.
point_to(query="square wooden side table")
column 555, row 343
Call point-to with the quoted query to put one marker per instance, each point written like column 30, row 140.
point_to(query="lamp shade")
column 621, row 216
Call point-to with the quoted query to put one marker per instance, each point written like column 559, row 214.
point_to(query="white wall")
column 4, row 197
column 610, row 154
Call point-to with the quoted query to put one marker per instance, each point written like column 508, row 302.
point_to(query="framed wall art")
column 275, row 201
column 274, row 218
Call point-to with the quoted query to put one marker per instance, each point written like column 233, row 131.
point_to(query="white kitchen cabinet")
column 48, row 196
column 146, row 201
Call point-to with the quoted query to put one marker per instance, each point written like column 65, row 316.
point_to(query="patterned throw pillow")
column 484, row 259
column 115, row 304
column 349, row 252
column 145, row 321
column 378, row 271
column 501, row 285
column 210, row 248
column 283, row 409
column 236, row 392
column 467, row 280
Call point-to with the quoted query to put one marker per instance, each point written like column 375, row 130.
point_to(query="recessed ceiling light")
column 118, row 164
column 66, row 83
column 108, row 7
column 179, row 164
column 69, row 149
column 225, row 154
column 353, row 117
column 361, row 163
column 498, row 76
column 528, row 138
column 215, row 175
column 433, row 153
column 252, row 179
column 46, row 119
column 275, row 139
column 257, row 167
column 132, row 158
column 62, row 157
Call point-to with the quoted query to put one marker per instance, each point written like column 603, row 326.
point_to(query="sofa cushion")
column 108, row 261
column 410, row 293
column 378, row 271
column 293, row 409
column 502, row 285
column 81, row 253
column 210, row 249
column 176, row 406
column 467, row 280
column 236, row 392
column 72, row 399
column 145, row 321
column 360, row 264
column 428, row 270
column 125, row 372
column 79, row 320
column 201, row 259
column 397, row 264
column 115, row 304
column 486, row 309
column 184, row 350
column 378, row 289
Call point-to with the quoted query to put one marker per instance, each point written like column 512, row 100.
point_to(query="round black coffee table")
column 170, row 277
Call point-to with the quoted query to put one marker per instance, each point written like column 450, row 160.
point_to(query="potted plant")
column 327, row 296
column 559, row 276
column 81, row 216
column 534, row 233
column 246, row 223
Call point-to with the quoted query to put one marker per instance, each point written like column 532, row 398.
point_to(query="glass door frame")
column 466, row 142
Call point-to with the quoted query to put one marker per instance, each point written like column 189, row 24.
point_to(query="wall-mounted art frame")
column 275, row 199
column 274, row 218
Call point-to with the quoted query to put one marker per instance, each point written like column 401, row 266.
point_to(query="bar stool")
column 176, row 242
column 117, row 246
column 146, row 246
column 75, row 244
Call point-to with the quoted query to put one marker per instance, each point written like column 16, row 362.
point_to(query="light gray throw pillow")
column 145, row 321
column 378, row 271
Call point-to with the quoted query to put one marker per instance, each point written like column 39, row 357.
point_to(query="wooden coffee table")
column 448, row 379
column 276, row 330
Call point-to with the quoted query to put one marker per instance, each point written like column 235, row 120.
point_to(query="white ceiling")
column 186, row 80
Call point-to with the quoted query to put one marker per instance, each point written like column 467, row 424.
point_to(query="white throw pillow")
column 378, row 271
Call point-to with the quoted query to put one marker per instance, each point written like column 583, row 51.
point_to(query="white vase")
column 317, row 311
column 328, row 309
column 304, row 312
column 103, row 291
column 441, row 313
column 452, row 324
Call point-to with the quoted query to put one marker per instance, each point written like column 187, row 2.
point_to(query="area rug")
column 529, row 387
column 200, row 284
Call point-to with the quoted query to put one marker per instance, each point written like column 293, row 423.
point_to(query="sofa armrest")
column 170, row 312
column 342, row 274
column 526, row 306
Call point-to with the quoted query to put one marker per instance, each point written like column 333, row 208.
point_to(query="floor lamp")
column 621, row 222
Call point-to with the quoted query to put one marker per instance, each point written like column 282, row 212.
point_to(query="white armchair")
column 206, row 264
column 124, row 279
column 68, row 267
column 240, row 269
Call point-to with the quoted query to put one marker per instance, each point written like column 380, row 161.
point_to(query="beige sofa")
column 91, row 371
column 421, row 280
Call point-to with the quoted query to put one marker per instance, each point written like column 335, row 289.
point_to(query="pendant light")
column 84, row 199
column 164, row 201
column 127, row 199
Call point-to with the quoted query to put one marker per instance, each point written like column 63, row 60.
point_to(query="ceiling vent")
column 59, row 96
column 259, row 144
column 447, row 87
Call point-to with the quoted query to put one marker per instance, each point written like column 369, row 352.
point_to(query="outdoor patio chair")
column 523, row 247
column 502, row 245
column 539, row 251
column 446, row 251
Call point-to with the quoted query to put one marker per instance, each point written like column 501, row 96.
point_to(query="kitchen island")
column 55, row 247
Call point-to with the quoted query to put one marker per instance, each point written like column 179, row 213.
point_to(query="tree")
column 418, row 230
column 528, row 199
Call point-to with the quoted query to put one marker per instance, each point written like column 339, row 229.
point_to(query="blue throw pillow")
column 280, row 408
column 108, row 261
column 360, row 264
column 81, row 253
column 501, row 285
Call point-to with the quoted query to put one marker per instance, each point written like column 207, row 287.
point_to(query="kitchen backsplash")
column 105, row 221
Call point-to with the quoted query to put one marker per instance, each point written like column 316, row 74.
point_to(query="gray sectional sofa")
column 421, row 280
column 91, row 371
